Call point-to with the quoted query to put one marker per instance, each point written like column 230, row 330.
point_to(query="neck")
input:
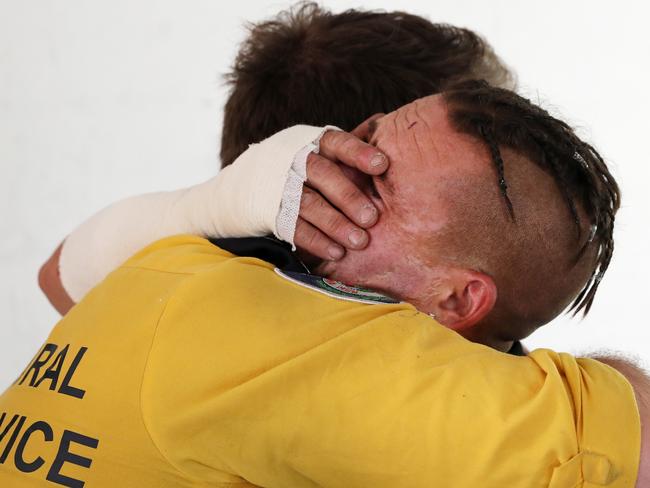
column 403, row 278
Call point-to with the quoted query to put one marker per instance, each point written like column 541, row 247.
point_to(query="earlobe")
column 469, row 299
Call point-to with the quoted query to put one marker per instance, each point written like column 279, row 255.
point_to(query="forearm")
column 244, row 199
column 109, row 237
column 49, row 280
column 641, row 384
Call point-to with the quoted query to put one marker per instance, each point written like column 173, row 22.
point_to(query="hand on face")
column 434, row 177
column 335, row 210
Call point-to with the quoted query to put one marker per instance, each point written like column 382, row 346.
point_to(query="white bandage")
column 260, row 191
column 288, row 214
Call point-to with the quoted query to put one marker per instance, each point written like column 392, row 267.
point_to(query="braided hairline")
column 488, row 136
column 500, row 117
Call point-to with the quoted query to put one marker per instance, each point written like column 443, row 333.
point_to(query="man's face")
column 430, row 161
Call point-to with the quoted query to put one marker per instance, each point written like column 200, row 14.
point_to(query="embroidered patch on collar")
column 336, row 289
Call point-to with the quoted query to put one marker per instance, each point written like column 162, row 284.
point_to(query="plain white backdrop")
column 101, row 100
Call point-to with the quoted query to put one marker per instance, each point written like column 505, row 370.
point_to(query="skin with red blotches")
column 428, row 160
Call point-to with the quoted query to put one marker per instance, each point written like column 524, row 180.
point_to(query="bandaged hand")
column 335, row 207
column 293, row 185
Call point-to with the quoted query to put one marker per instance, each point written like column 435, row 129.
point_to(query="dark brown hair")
column 503, row 119
column 311, row 66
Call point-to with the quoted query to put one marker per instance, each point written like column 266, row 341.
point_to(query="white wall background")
column 101, row 100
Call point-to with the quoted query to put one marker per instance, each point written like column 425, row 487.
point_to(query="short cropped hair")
column 503, row 120
column 311, row 66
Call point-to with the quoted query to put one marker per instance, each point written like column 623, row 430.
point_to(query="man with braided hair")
column 290, row 379
column 537, row 223
column 246, row 371
column 286, row 72
column 560, row 232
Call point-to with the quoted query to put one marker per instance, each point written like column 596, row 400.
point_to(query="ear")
column 465, row 298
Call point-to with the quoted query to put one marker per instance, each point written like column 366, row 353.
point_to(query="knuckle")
column 316, row 203
column 334, row 222
column 312, row 205
column 317, row 167
column 351, row 146
column 330, row 225
column 312, row 161
column 313, row 240
column 304, row 234
column 308, row 198
column 328, row 136
column 335, row 137
column 329, row 140
column 349, row 194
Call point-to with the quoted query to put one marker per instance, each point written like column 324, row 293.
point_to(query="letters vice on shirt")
column 53, row 369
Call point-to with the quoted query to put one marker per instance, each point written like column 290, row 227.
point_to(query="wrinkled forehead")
column 422, row 144
column 426, row 111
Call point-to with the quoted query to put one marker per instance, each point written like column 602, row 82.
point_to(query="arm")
column 246, row 199
column 49, row 280
column 641, row 384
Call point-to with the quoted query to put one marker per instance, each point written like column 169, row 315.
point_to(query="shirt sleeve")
column 273, row 384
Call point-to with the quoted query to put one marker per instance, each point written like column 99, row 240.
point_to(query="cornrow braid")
column 605, row 199
column 552, row 160
column 498, row 162
column 502, row 118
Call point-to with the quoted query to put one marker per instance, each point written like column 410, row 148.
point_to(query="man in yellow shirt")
column 190, row 366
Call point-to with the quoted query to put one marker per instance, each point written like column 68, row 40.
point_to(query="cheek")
column 424, row 212
column 375, row 261
column 358, row 267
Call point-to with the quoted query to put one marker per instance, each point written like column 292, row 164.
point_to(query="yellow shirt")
column 189, row 366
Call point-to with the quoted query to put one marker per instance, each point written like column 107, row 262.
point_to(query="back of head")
column 311, row 66
column 542, row 226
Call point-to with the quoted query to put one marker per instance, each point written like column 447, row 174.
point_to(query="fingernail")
column 336, row 252
column 357, row 237
column 378, row 160
column 368, row 214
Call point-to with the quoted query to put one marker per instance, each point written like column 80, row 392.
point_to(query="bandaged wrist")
column 244, row 199
column 287, row 217
column 260, row 193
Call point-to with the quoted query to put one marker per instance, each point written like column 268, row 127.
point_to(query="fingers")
column 362, row 131
column 308, row 238
column 350, row 150
column 333, row 209
column 328, row 178
column 327, row 228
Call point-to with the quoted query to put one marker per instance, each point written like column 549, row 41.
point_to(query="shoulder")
column 185, row 254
